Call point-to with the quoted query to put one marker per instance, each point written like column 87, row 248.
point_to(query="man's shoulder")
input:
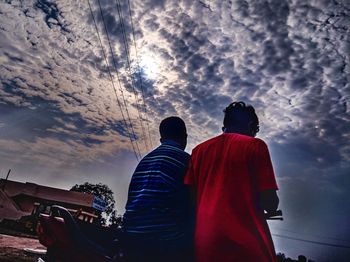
column 259, row 142
column 207, row 143
column 248, row 140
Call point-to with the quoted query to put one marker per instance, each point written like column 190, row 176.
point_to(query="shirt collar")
column 171, row 143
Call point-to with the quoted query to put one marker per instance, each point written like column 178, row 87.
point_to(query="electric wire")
column 125, row 42
column 111, row 78
column 311, row 241
column 116, row 68
column 139, row 72
column 309, row 235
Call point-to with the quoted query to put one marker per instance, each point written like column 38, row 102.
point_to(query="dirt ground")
column 12, row 249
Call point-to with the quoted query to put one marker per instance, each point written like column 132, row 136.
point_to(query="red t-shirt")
column 228, row 172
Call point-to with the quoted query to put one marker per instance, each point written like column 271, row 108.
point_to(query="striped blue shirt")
column 158, row 200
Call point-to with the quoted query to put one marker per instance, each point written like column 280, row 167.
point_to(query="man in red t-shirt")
column 234, row 184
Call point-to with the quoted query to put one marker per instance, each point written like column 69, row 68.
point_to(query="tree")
column 104, row 192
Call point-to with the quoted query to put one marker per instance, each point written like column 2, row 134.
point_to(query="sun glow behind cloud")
column 150, row 65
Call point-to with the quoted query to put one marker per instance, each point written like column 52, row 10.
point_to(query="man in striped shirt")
column 158, row 220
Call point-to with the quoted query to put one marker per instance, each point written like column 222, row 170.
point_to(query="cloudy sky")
column 84, row 85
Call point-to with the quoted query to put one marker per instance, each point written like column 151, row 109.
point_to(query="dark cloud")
column 44, row 118
column 53, row 15
column 152, row 24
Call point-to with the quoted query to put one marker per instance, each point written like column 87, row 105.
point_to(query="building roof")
column 8, row 208
column 14, row 188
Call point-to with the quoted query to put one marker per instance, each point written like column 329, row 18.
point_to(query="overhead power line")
column 139, row 72
column 116, row 68
column 311, row 241
column 126, row 44
column 310, row 235
column 137, row 154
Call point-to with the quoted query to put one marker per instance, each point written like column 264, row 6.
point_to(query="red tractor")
column 67, row 239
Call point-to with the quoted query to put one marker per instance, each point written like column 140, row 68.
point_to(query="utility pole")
column 8, row 173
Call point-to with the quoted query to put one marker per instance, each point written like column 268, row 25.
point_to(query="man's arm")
column 265, row 177
column 269, row 200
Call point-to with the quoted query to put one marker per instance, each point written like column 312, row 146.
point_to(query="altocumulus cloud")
column 290, row 59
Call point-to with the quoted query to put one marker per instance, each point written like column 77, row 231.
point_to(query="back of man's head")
column 242, row 118
column 173, row 128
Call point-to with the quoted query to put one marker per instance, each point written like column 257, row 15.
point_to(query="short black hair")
column 238, row 113
column 172, row 128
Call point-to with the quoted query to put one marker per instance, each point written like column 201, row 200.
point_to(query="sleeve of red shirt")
column 262, row 167
column 190, row 175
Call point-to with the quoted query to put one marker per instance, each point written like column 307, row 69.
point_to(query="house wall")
column 21, row 197
column 8, row 208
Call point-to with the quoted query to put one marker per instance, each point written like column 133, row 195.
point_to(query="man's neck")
column 236, row 131
column 171, row 143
